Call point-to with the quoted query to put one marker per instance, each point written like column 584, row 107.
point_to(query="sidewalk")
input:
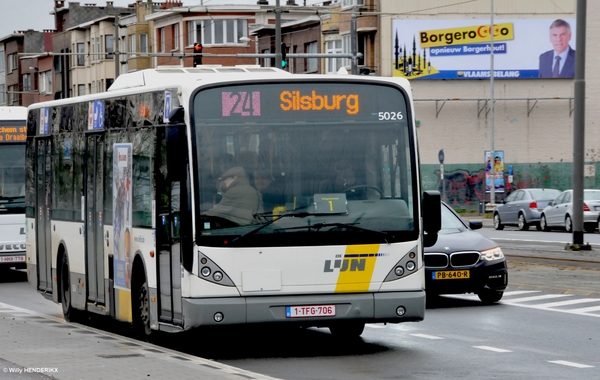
column 35, row 346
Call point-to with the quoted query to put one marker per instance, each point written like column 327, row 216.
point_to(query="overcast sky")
column 35, row 14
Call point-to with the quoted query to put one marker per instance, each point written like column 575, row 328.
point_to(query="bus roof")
column 165, row 76
column 13, row 113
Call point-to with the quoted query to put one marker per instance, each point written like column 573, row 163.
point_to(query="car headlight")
column 492, row 254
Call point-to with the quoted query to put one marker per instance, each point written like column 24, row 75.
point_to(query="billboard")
column 461, row 49
column 498, row 163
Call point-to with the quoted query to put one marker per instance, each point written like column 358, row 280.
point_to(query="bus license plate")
column 310, row 311
column 12, row 259
column 451, row 275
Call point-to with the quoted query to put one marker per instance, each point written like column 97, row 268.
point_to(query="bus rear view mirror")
column 432, row 217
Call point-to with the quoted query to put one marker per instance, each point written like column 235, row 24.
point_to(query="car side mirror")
column 475, row 224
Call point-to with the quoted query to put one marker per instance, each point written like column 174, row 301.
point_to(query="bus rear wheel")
column 71, row 314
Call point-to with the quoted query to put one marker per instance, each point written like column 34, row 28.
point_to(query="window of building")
column 81, row 89
column 2, row 94
column 98, row 49
column 333, row 64
column 311, row 63
column 80, row 54
column 346, row 48
column 132, row 47
column 143, row 43
column 175, row 41
column 108, row 42
column 12, row 94
column 217, row 31
column 13, row 62
column 26, row 82
column 349, row 3
column 46, row 82
column 58, row 62
column 2, row 65
column 161, row 39
column 266, row 62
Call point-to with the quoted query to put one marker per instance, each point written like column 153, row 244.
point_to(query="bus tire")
column 71, row 314
column 140, row 299
column 347, row 329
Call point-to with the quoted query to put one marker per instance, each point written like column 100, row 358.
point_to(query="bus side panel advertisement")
column 122, row 213
column 461, row 49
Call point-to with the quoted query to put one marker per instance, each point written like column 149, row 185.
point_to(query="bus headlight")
column 205, row 271
column 399, row 271
column 218, row 276
column 410, row 265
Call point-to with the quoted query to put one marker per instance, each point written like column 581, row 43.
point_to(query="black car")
column 464, row 261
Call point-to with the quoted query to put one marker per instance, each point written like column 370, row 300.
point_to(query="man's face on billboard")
column 560, row 37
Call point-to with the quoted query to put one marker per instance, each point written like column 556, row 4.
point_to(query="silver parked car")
column 523, row 208
column 559, row 213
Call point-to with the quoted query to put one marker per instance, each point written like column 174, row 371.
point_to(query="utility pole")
column 277, row 35
column 354, row 43
column 579, row 125
column 116, row 43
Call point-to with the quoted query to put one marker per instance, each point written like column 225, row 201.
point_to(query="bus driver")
column 240, row 202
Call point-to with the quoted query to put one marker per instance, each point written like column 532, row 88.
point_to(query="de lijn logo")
column 350, row 262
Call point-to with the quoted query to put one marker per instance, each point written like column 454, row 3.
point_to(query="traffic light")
column 197, row 54
column 284, row 61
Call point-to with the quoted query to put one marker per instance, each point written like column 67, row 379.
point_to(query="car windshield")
column 544, row 193
column 451, row 223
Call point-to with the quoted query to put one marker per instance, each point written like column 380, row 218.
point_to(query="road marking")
column 488, row 348
column 519, row 292
column 570, row 364
column 427, row 336
column 569, row 302
column 584, row 310
column 537, row 298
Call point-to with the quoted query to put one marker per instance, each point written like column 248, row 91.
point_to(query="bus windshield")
column 12, row 167
column 278, row 162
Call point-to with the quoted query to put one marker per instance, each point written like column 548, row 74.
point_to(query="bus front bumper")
column 365, row 307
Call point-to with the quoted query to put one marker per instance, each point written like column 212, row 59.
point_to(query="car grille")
column 464, row 259
column 457, row 259
column 436, row 260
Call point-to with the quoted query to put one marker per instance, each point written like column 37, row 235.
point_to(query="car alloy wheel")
column 523, row 226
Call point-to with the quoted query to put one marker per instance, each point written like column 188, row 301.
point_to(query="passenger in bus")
column 241, row 202
column 270, row 189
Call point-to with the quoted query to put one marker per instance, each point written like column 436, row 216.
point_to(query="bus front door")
column 43, row 200
column 94, row 201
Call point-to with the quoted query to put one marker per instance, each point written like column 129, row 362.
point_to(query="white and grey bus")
column 186, row 197
column 13, row 133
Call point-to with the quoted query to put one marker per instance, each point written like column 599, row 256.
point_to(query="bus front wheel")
column 347, row 329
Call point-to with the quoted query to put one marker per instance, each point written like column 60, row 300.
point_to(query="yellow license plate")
column 450, row 275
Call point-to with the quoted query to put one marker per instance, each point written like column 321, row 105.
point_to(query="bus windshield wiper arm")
column 11, row 198
column 292, row 214
column 350, row 226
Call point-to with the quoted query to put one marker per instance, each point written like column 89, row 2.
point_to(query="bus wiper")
column 351, row 226
column 11, row 198
column 291, row 214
